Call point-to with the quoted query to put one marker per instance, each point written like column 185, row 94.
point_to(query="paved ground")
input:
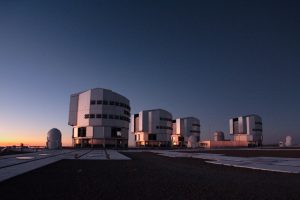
column 13, row 165
column 277, row 164
column 252, row 152
column 149, row 176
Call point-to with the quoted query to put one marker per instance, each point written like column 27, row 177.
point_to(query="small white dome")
column 192, row 142
column 219, row 136
column 54, row 139
column 288, row 141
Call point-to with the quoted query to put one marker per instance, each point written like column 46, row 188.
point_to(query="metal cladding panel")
column 137, row 124
column 179, row 126
column 107, row 132
column 131, row 140
column 98, row 132
column 143, row 121
column 184, row 127
column 140, row 121
column 241, row 125
column 194, row 129
column 89, row 131
column 83, row 108
column 174, row 126
column 150, row 122
column 96, row 94
column 132, row 124
column 250, row 125
column 153, row 121
column 231, row 126
column 73, row 110
column 75, row 132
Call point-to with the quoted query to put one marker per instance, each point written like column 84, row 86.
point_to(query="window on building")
column 127, row 106
column 99, row 102
column 104, row 116
column 111, row 103
column 105, row 102
column 126, row 113
column 93, row 102
column 166, row 119
column 197, row 125
column 181, row 139
column 86, row 116
column 82, row 132
column 116, row 132
column 98, row 116
column 192, row 131
column 111, row 116
column 256, row 129
column 92, row 116
column 152, row 136
column 117, row 117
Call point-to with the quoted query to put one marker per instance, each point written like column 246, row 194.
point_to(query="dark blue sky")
column 209, row 59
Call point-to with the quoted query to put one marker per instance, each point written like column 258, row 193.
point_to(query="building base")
column 100, row 143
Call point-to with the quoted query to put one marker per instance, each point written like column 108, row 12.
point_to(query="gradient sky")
column 210, row 59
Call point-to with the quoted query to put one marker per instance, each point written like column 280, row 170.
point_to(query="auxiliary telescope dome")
column 192, row 142
column 54, row 139
column 288, row 141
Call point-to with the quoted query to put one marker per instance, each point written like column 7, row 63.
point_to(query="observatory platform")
column 14, row 165
column 275, row 164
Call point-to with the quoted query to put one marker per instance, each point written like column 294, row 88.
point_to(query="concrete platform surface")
column 14, row 165
column 276, row 164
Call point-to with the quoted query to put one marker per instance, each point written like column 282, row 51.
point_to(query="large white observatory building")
column 186, row 132
column 152, row 128
column 100, row 118
column 247, row 128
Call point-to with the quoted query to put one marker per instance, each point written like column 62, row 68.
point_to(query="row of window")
column 256, row 129
column 112, row 103
column 153, row 137
column 115, row 132
column 106, row 116
column 166, row 119
column 194, row 131
column 164, row 127
column 126, row 113
column 198, row 125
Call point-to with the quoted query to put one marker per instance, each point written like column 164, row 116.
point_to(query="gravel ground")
column 149, row 176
